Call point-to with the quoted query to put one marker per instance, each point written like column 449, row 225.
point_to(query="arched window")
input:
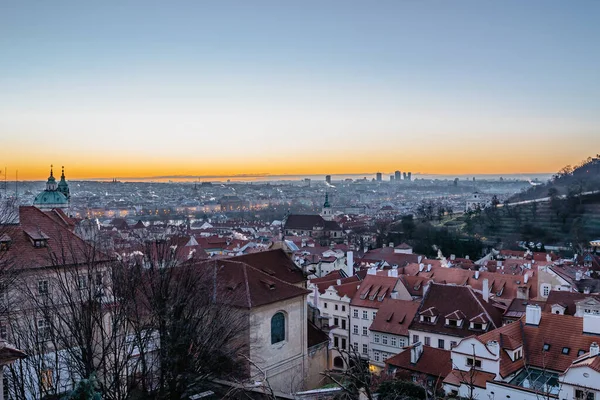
column 338, row 362
column 278, row 328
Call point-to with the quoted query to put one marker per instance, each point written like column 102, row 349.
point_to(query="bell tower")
column 327, row 212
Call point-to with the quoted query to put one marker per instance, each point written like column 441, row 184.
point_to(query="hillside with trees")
column 584, row 177
column 565, row 211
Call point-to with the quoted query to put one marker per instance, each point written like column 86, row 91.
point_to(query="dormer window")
column 566, row 351
column 580, row 353
column 4, row 242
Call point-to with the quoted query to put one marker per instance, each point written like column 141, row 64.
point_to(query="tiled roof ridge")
column 489, row 317
column 248, row 297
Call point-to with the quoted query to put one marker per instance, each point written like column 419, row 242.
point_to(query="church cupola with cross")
column 327, row 212
column 55, row 195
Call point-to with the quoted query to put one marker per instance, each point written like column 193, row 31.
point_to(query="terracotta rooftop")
column 274, row 263
column 448, row 299
column 394, row 316
column 433, row 361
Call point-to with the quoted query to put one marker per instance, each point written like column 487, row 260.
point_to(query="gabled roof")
column 555, row 330
column 63, row 247
column 304, row 222
column 373, row 290
column 433, row 361
column 448, row 299
column 274, row 263
column 567, row 299
column 394, row 316
column 242, row 285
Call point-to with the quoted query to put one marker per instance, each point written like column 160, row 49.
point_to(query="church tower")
column 327, row 212
column 55, row 195
column 63, row 186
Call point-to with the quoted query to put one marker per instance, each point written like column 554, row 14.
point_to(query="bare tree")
column 356, row 377
column 192, row 316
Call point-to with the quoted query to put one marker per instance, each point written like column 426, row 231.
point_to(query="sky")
column 155, row 88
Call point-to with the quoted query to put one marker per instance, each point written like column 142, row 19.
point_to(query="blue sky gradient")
column 344, row 84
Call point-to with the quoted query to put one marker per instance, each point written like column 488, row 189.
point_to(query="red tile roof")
column 63, row 246
column 558, row 331
column 433, row 361
column 447, row 299
column 275, row 263
column 394, row 316
column 242, row 285
column 373, row 290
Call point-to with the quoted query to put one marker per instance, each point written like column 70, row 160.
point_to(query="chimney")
column 419, row 259
column 467, row 257
column 372, row 271
column 594, row 349
column 365, row 249
column 421, row 267
column 523, row 292
column 392, row 244
column 486, row 290
column 578, row 275
column 384, row 245
column 316, row 291
column 428, row 267
column 452, row 257
column 350, row 263
column 338, row 281
column 477, row 274
column 533, row 314
column 525, row 278
column 393, row 273
column 415, row 352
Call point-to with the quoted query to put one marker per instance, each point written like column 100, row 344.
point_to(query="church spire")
column 62, row 177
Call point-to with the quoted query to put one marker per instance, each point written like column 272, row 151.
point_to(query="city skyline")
column 297, row 89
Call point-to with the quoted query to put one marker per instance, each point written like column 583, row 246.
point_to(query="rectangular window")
column 43, row 286
column 324, row 305
column 3, row 332
column 365, row 331
column 355, row 329
column 43, row 326
column 355, row 347
column 365, row 315
column 440, row 343
column 384, row 339
column 336, row 307
column 365, row 349
column 473, row 362
column 343, row 308
column 99, row 279
column 453, row 344
column 355, row 313
column 336, row 321
column 427, row 341
column 376, row 338
column 393, row 341
column 376, row 355
column 374, row 315
column 82, row 282
column 343, row 324
column 336, row 341
column 415, row 338
column 344, row 343
column 401, row 343
column 584, row 395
